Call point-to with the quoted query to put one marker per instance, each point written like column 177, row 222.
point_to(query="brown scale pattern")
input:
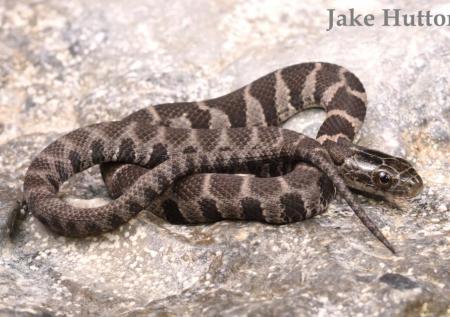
column 148, row 161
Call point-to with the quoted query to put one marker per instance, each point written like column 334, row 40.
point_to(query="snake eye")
column 383, row 179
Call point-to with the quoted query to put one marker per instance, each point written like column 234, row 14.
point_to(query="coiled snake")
column 224, row 158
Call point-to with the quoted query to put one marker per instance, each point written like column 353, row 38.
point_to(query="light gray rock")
column 64, row 64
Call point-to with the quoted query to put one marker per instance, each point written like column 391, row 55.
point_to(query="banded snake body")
column 224, row 158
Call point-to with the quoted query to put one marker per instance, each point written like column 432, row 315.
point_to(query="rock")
column 70, row 63
column 9, row 213
column 398, row 281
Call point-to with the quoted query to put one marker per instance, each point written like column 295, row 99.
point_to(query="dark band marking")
column 335, row 125
column 54, row 182
column 199, row 118
column 150, row 194
column 295, row 77
column 231, row 105
column 75, row 160
column 327, row 75
column 253, row 167
column 115, row 221
column 293, row 206
column 252, row 209
column 353, row 82
column 172, row 213
column 209, row 209
column 327, row 190
column 61, row 170
column 134, row 207
column 126, row 151
column 263, row 90
column 55, row 223
column 159, row 155
column 41, row 218
column 354, row 106
column 71, row 228
column 97, row 150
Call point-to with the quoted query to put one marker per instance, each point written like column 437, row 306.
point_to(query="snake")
column 225, row 158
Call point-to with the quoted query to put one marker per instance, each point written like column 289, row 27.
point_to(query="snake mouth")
column 414, row 186
column 400, row 200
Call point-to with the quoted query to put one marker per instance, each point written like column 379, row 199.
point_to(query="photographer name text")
column 390, row 17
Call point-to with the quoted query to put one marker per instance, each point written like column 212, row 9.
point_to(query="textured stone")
column 64, row 64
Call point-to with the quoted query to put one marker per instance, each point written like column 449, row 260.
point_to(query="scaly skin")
column 185, row 155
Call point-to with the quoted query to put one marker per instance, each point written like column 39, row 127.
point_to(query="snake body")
column 224, row 158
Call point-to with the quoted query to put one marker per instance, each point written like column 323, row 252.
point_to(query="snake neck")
column 339, row 151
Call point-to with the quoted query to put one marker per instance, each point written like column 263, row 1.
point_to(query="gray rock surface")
column 64, row 64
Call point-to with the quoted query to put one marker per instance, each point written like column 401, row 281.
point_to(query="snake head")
column 381, row 174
